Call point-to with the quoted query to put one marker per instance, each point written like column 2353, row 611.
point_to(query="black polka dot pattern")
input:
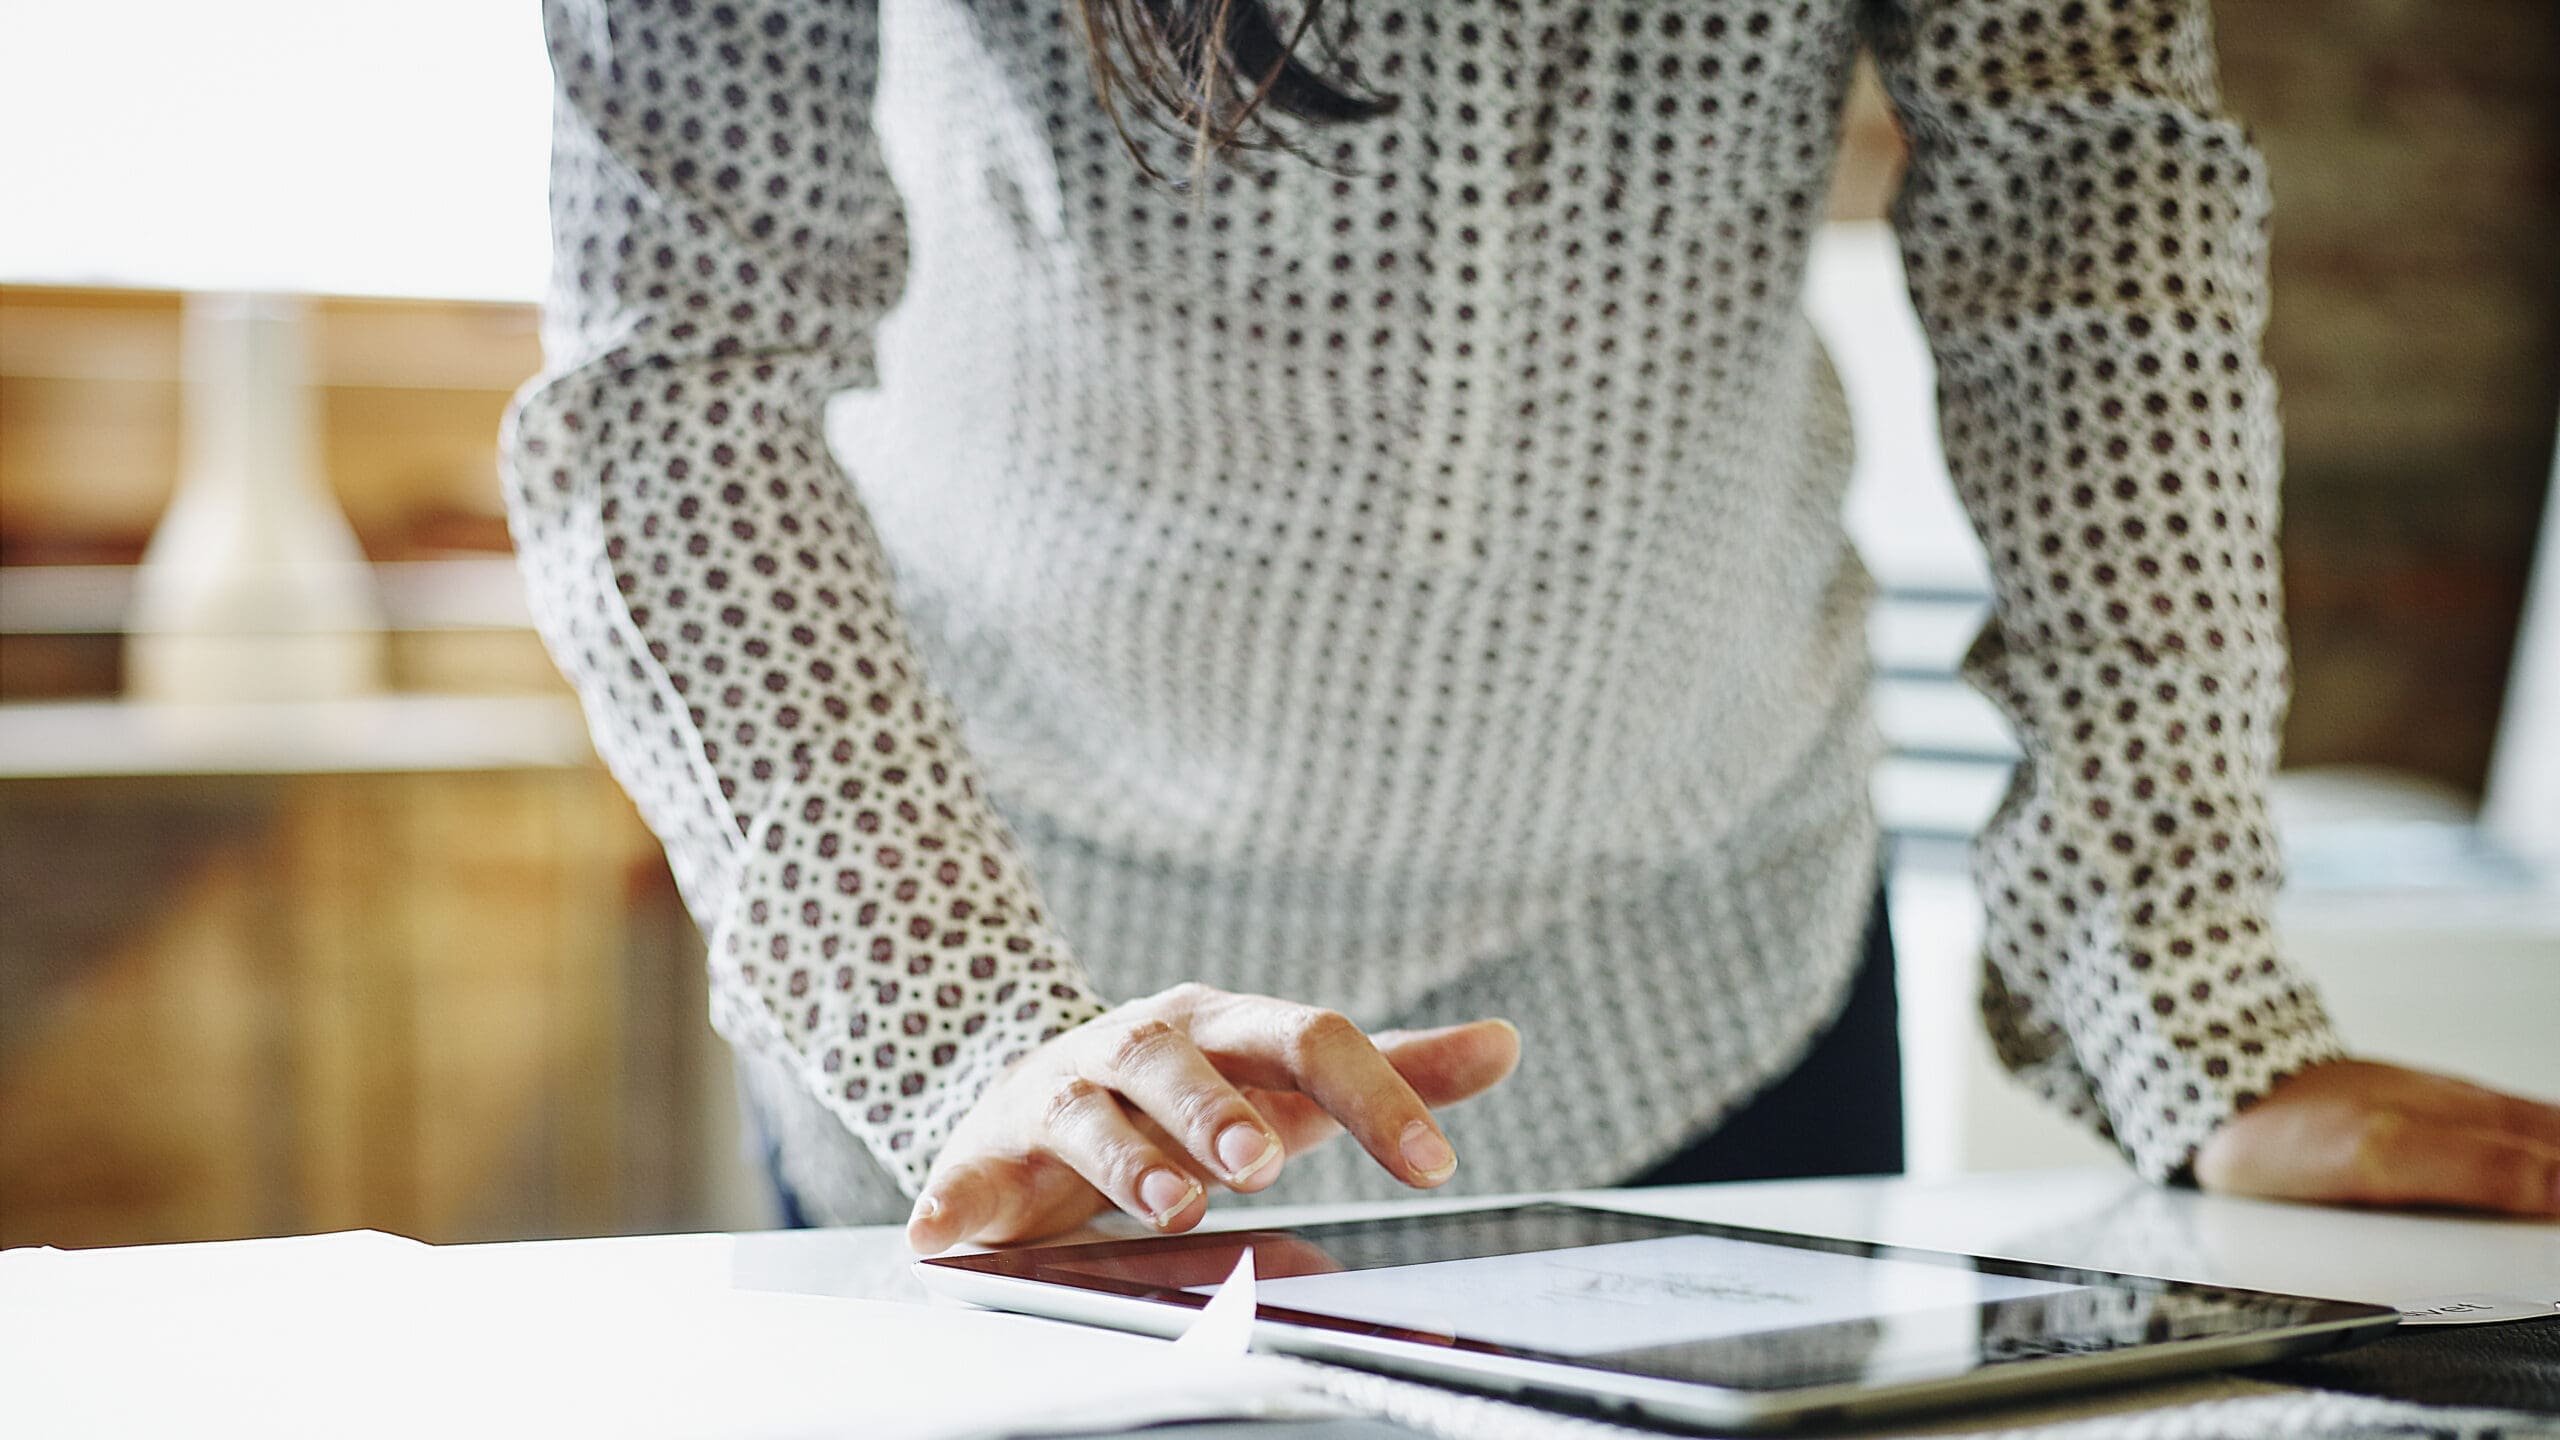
column 2085, row 236
column 1412, row 583
column 727, row 241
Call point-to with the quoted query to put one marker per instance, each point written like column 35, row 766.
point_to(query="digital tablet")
column 1635, row 1317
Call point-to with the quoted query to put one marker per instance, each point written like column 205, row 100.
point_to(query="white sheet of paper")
column 372, row 1335
column 1225, row 1325
column 2479, row 1308
column 1639, row 1293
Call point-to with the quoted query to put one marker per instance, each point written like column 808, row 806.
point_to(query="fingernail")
column 1165, row 1193
column 1428, row 1154
column 927, row 1216
column 1244, row 1149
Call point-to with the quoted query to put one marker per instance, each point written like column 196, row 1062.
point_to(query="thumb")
column 965, row 1201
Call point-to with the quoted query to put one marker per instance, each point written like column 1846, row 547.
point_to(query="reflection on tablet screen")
column 1636, row 1295
column 1670, row 1299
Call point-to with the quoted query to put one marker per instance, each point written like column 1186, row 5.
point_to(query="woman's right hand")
column 1147, row 1106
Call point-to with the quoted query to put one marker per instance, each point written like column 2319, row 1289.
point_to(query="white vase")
column 253, row 587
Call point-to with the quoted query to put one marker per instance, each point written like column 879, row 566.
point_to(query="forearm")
column 2085, row 237
column 704, row 572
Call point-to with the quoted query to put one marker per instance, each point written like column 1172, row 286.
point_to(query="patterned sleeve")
column 2085, row 236
column 725, row 239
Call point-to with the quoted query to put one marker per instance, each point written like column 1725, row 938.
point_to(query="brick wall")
column 2415, row 150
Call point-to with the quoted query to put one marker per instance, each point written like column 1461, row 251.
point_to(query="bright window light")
column 321, row 146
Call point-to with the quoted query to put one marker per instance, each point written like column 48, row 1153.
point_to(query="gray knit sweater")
column 1412, row 581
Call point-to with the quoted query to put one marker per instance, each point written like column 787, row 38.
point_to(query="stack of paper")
column 369, row 1334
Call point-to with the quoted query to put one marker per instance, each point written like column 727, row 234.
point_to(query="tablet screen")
column 1639, row 1294
column 1671, row 1299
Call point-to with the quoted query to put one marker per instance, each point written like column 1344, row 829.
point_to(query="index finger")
column 1280, row 1045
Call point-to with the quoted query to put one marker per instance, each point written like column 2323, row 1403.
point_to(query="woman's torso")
column 1413, row 583
column 1472, row 501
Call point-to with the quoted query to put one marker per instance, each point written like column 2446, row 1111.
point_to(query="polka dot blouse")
column 1408, row 578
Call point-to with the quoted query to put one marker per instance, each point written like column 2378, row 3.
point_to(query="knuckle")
column 1112, row 1164
column 1319, row 1033
column 2379, row 1138
column 1202, row 1111
column 1188, row 995
column 2514, row 1180
column 1070, row 1100
column 2509, row 1176
column 1126, row 1163
column 1140, row 1045
column 2539, row 1186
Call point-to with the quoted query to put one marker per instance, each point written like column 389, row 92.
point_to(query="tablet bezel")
column 1043, row 1281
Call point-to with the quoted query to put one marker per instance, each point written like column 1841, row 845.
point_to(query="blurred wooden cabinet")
column 407, row 962
column 449, row 993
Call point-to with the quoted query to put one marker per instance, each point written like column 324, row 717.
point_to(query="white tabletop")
column 2097, row 1218
column 682, row 1335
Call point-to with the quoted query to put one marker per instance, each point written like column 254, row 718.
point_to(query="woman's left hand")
column 2360, row 1133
